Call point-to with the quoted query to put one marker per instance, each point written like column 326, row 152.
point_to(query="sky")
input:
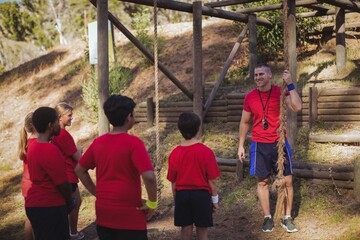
column 1, row 1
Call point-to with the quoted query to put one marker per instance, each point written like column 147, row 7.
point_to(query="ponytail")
column 23, row 142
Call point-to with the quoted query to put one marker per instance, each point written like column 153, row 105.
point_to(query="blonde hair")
column 23, row 140
column 62, row 108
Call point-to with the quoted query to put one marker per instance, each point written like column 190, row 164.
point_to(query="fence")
column 333, row 106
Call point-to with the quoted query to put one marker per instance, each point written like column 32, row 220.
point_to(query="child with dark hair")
column 192, row 171
column 120, row 159
column 49, row 197
column 28, row 135
column 65, row 142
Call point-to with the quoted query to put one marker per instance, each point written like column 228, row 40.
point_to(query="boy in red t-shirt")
column 193, row 171
column 120, row 159
column 48, row 199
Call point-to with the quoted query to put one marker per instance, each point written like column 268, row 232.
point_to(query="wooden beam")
column 271, row 7
column 345, row 4
column 227, row 3
column 340, row 40
column 147, row 54
column 198, row 80
column 252, row 45
column 316, row 14
column 207, row 11
column 224, row 70
column 103, row 63
column 319, row 7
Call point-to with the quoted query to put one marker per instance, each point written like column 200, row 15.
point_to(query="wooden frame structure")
column 246, row 15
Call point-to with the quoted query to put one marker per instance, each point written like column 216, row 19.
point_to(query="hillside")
column 57, row 76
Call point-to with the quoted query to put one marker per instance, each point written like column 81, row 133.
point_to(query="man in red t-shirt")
column 49, row 197
column 120, row 159
column 262, row 105
column 193, row 170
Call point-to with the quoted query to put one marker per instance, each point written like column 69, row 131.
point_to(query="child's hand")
column 215, row 207
column 149, row 212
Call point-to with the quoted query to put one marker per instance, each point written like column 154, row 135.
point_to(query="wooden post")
column 290, row 62
column 340, row 39
column 357, row 180
column 240, row 170
column 150, row 111
column 252, row 45
column 103, row 62
column 198, row 89
column 313, row 105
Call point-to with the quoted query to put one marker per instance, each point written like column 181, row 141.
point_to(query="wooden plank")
column 322, row 174
column 334, row 138
column 323, row 166
column 234, row 119
column 234, row 113
column 340, row 91
column 344, row 98
column 236, row 95
column 345, row 4
column 235, row 107
column 175, row 109
column 357, row 180
column 227, row 168
column 339, row 117
column 339, row 184
column 207, row 11
column 333, row 105
column 339, row 111
column 235, row 101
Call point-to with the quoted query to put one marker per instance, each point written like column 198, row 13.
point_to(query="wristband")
column 291, row 86
column 150, row 204
column 215, row 199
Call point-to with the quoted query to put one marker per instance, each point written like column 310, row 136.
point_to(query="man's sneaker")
column 288, row 225
column 268, row 225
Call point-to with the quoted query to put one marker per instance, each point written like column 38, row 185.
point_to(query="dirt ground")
column 48, row 80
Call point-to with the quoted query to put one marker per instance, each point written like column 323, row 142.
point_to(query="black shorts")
column 49, row 222
column 193, row 207
column 106, row 233
column 74, row 186
column 264, row 157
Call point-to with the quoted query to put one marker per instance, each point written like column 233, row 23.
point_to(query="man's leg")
column 186, row 232
column 264, row 195
column 290, row 195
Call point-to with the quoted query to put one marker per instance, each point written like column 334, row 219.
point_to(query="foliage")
column 271, row 40
column 141, row 24
column 119, row 79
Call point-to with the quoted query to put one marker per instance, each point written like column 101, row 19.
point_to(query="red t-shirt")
column 119, row 160
column 252, row 104
column 190, row 167
column 47, row 171
column 65, row 142
column 25, row 181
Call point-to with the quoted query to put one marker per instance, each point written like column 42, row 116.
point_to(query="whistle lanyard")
column 266, row 104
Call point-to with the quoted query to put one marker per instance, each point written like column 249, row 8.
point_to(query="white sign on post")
column 93, row 52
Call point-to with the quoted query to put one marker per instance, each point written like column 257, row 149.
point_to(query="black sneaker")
column 289, row 225
column 268, row 225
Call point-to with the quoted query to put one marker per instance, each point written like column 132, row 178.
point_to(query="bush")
column 119, row 79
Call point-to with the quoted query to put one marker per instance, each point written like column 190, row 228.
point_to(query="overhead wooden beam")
column 207, row 11
column 345, row 4
column 227, row 3
column 316, row 14
column 270, row 7
column 319, row 7
column 147, row 54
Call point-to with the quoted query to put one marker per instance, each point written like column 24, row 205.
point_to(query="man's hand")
column 215, row 207
column 287, row 77
column 241, row 153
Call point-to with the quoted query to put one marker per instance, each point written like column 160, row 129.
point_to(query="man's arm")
column 83, row 175
column 243, row 130
column 293, row 100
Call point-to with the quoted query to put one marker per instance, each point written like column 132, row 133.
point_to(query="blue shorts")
column 264, row 157
column 193, row 207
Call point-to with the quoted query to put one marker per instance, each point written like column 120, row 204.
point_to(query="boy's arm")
column 214, row 194
column 83, row 175
column 150, row 205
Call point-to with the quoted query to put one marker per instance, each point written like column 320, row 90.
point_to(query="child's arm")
column 77, row 155
column 214, row 194
column 85, row 178
column 149, row 180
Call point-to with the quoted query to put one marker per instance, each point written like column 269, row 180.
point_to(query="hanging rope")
column 279, row 183
column 158, row 163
